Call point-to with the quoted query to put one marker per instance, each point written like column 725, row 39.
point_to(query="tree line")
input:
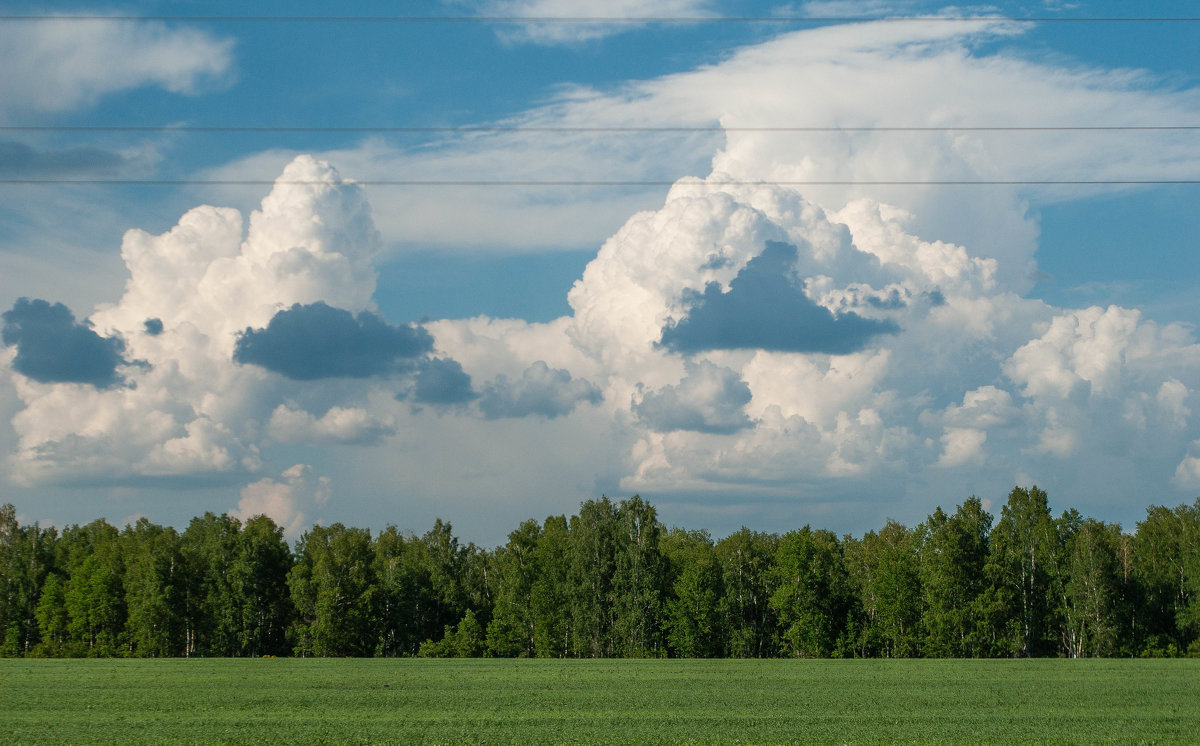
column 610, row 581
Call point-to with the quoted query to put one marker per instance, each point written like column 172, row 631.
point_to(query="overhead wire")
column 588, row 20
column 466, row 129
column 601, row 183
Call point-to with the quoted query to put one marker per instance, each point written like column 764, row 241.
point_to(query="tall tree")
column 1092, row 589
column 1167, row 565
column 639, row 576
column 259, row 583
column 551, row 594
column 441, row 561
column 211, row 605
column 884, row 572
column 512, row 630
column 332, row 586
column 746, row 557
column 592, row 565
column 478, row 581
column 401, row 595
column 26, row 558
column 94, row 596
column 1022, row 557
column 953, row 554
column 52, row 618
column 811, row 593
column 155, row 593
column 693, row 609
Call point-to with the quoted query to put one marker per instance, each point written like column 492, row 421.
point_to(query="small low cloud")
column 341, row 425
column 764, row 309
column 443, row 382
column 284, row 500
column 710, row 399
column 53, row 348
column 1187, row 473
column 962, row 445
column 541, row 390
column 309, row 342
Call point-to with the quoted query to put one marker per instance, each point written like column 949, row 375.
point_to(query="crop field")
column 611, row 701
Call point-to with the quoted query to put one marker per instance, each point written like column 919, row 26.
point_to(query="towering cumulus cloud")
column 739, row 337
column 744, row 349
column 292, row 294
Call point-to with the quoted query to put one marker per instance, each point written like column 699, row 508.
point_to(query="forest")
column 610, row 581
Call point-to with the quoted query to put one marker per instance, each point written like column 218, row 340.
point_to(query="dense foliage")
column 610, row 581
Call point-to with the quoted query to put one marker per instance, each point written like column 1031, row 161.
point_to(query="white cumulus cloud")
column 187, row 408
column 348, row 425
column 284, row 500
column 735, row 342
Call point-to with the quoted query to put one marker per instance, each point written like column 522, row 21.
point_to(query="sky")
column 853, row 264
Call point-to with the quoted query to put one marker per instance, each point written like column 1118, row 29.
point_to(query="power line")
column 467, row 129
column 601, row 20
column 599, row 183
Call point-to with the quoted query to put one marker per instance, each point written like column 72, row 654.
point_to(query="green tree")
column 811, row 593
column 592, row 565
column 478, row 582
column 463, row 640
column 1021, row 559
column 401, row 595
column 1166, row 550
column 155, row 592
column 884, row 573
column 212, row 615
column 953, row 553
column 52, row 618
column 258, row 582
column 333, row 586
column 440, row 561
column 551, row 594
column 1091, row 589
column 639, row 577
column 749, row 617
column 693, row 609
column 512, row 630
column 94, row 596
column 26, row 558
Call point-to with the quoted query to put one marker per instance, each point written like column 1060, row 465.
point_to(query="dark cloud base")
column 764, row 310
column 53, row 348
column 541, row 391
column 442, row 382
column 310, row 342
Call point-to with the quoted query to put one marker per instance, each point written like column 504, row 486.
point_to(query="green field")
column 612, row 701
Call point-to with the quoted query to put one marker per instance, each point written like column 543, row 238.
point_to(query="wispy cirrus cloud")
column 560, row 29
column 53, row 65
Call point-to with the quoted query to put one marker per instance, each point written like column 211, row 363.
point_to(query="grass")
column 616, row 701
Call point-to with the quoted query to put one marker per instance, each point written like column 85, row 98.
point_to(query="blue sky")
column 900, row 347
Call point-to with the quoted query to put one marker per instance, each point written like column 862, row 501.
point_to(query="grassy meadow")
column 610, row 701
